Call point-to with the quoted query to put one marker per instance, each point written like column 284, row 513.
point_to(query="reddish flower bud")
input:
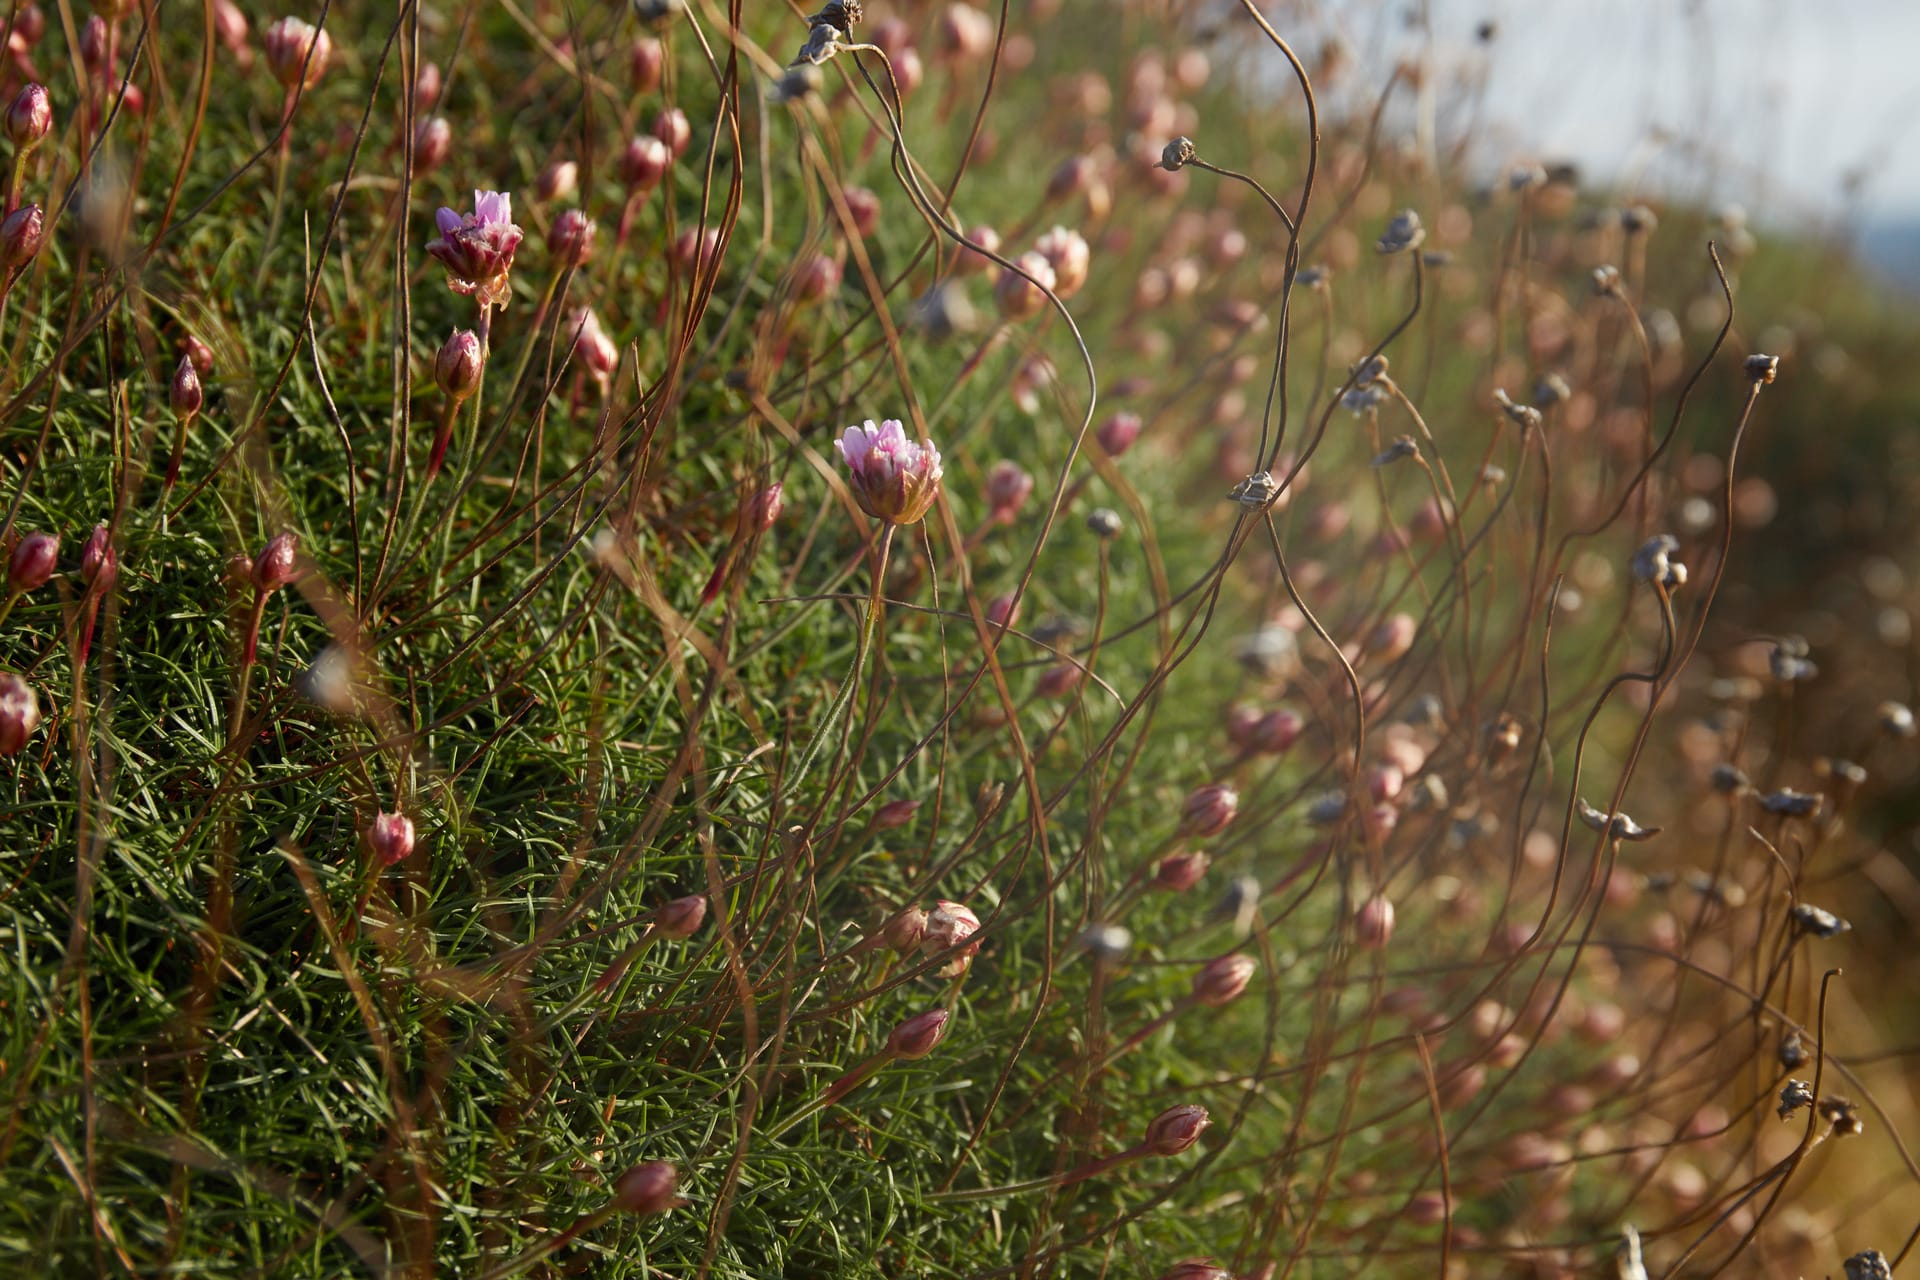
column 1373, row 923
column 644, row 162
column 30, row 26
column 1175, row 1129
column 1426, row 1209
column 432, row 139
column 1067, row 253
column 970, row 261
column 391, row 837
column 904, row 932
column 30, row 118
column 591, row 343
column 275, row 566
column 648, row 1188
column 33, row 561
column 1208, row 810
column 1223, row 979
column 20, row 236
column 99, row 563
column 894, row 813
column 1390, row 640
column 1023, row 296
column 230, row 25
column 458, row 367
column 965, row 32
column 570, row 239
column 184, row 395
column 909, row 72
column 297, row 52
column 1003, row 610
column 764, row 509
column 558, row 181
column 696, row 249
column 949, row 925
column 816, row 278
column 672, row 128
column 19, row 713
column 1196, row 1269
column 864, row 206
column 200, row 353
column 1059, row 680
column 646, row 63
column 1117, row 434
column 682, row 917
column 1276, row 731
column 426, row 86
column 1179, row 872
column 916, row 1037
column 1008, row 487
column 93, row 43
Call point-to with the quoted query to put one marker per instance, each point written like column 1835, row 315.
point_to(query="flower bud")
column 1208, row 810
column 917, row 1036
column 1008, row 487
column 764, row 509
column 904, row 932
column 93, row 43
column 949, row 925
column 648, row 1188
column 432, row 140
column 29, row 26
column 681, row 918
column 864, row 205
column 570, row 239
column 19, row 713
column 391, row 837
column 644, row 162
column 297, row 53
column 696, row 248
column 20, row 236
column 970, row 261
column 33, row 561
column 426, row 86
column 1003, row 610
column 99, row 563
column 30, row 118
column 1021, row 297
column 1117, row 434
column 816, row 278
column 1373, row 923
column 200, row 353
column 646, row 63
column 1223, row 979
column 672, row 128
column 1196, row 1269
column 1067, row 253
column 458, row 367
column 274, row 567
column 595, row 348
column 230, row 25
column 894, row 813
column 184, row 395
column 1175, row 1129
column 558, row 181
column 1179, row 872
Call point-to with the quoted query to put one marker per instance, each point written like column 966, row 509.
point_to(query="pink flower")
column 297, row 53
column 1117, row 434
column 1175, row 1129
column 1008, row 487
column 19, row 713
column 917, row 1036
column 893, row 478
column 948, row 925
column 477, row 248
column 1067, row 253
column 1223, row 979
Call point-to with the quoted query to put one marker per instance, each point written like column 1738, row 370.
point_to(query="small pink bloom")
column 1223, row 980
column 894, row 478
column 949, row 925
column 1067, row 253
column 230, row 24
column 477, row 248
column 297, row 52
column 965, row 33
column 1023, row 296
column 1209, row 810
column 1117, row 434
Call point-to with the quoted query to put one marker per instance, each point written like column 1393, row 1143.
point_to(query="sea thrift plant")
column 477, row 248
column 894, row 479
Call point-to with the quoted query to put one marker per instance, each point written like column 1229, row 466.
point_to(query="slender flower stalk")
column 1170, row 1133
column 910, row 1041
column 272, row 569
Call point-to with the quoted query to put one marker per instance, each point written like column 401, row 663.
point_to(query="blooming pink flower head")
column 477, row 248
column 1067, row 253
column 893, row 478
column 917, row 1036
column 1175, row 1129
column 949, row 925
column 595, row 349
column 1021, row 297
column 297, row 52
column 19, row 713
column 391, row 837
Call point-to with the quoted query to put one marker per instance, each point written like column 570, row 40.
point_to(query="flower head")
column 1175, row 1129
column 276, row 566
column 917, row 1036
column 391, row 837
column 19, row 713
column 297, row 52
column 893, row 478
column 1223, row 979
column 648, row 1188
column 33, row 561
column 1067, row 253
column 948, row 925
column 477, row 248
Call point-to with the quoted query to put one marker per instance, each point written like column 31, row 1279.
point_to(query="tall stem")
column 841, row 699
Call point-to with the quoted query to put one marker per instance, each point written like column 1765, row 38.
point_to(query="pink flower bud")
column 1223, row 979
column 458, row 367
column 816, row 279
column 99, row 563
column 1059, row 680
column 1067, row 253
column 646, row 63
column 570, row 239
column 426, row 86
column 909, row 72
column 1277, row 731
column 19, row 713
column 33, row 561
column 20, row 236
column 558, row 181
column 297, row 53
column 1208, row 810
column 1391, row 639
column 1175, row 1129
column 681, row 918
column 1008, row 487
column 30, row 118
column 1384, row 782
column 275, row 566
column 184, row 395
column 93, row 44
column 1196, row 1269
column 965, row 33
column 764, row 508
column 672, row 128
column 648, row 1188
column 644, row 162
column 893, row 37
column 916, row 1037
column 969, row 262
column 1021, row 297
column 1373, row 923
column 596, row 350
column 1117, row 434
column 905, row 931
column 696, row 249
column 432, row 139
column 1427, row 1209
column 949, row 925
column 230, row 25
column 1179, row 872
column 1003, row 610
column 391, row 837
column 200, row 353
column 894, row 813
column 864, row 206
column 1071, row 177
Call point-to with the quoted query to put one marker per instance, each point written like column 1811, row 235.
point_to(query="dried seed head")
column 1175, row 1129
column 1637, row 219
column 1523, row 415
column 917, row 1036
column 1403, row 233
column 1818, row 921
column 1728, row 779
column 1789, row 662
column 1617, row 826
column 1788, row 803
column 1552, row 389
column 1104, row 522
column 1403, row 447
column 1868, row 1264
column 1178, row 154
column 1762, row 368
column 1842, row 1116
column 1606, row 279
column 1794, row 1094
column 1793, row 1050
